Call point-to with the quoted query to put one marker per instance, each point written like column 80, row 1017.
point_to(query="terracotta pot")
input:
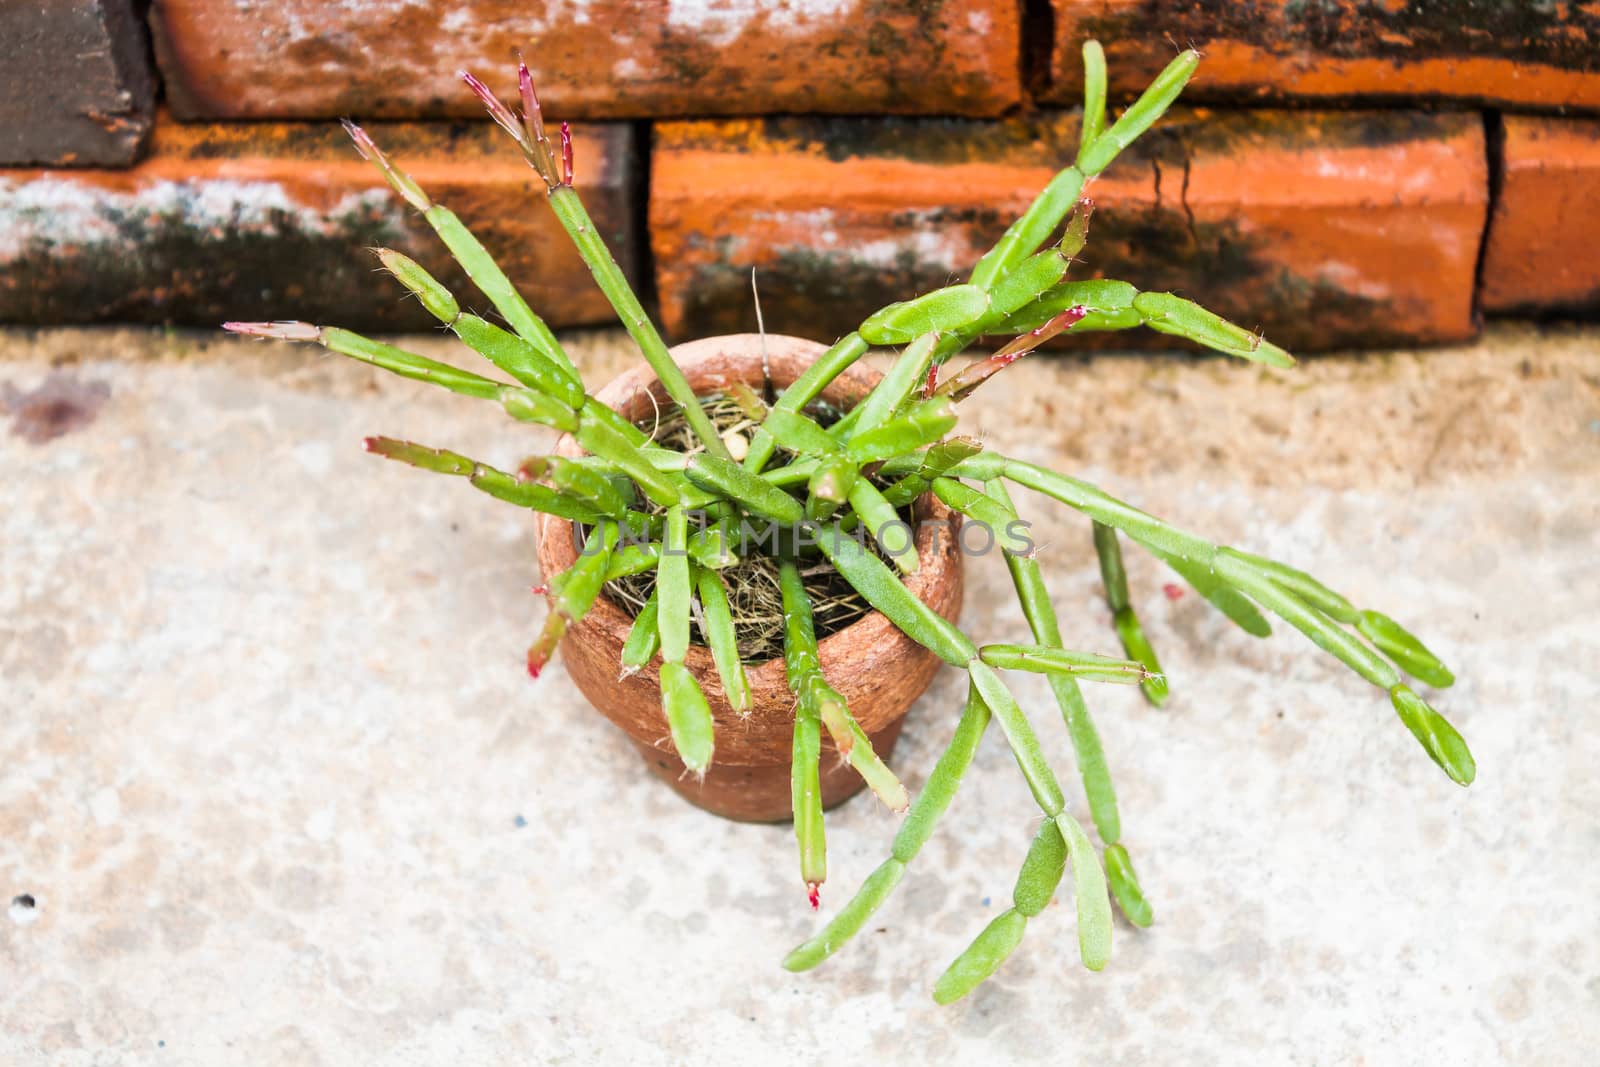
column 879, row 670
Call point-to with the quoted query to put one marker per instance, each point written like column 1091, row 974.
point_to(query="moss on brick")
column 164, row 268
column 1561, row 35
column 825, row 294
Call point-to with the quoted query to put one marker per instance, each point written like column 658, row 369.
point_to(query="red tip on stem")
column 387, row 447
column 1077, row 232
column 539, row 653
column 932, row 384
column 531, row 136
column 530, row 95
column 814, row 894
column 402, row 183
column 1174, row 592
column 976, row 373
column 499, row 112
column 538, row 590
column 1036, row 337
column 363, row 140
column 278, row 331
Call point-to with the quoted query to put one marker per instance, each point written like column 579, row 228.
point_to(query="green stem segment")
column 803, row 668
column 805, row 389
column 574, row 218
column 1125, row 887
column 1042, row 659
column 1094, row 94
column 486, row 479
column 1023, row 238
column 1274, row 586
column 934, row 462
column 1041, row 873
column 1025, row 747
column 982, row 958
column 687, row 712
column 1115, row 579
column 880, row 587
column 907, row 372
column 883, row 522
column 1034, row 597
column 644, row 638
column 722, row 638
column 1093, row 903
column 1141, row 115
column 1089, row 895
column 915, row 829
column 573, row 592
column 493, row 283
column 806, row 799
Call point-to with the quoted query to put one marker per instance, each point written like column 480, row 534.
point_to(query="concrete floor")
column 281, row 793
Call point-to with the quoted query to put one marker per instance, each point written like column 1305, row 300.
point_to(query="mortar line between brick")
column 1037, row 29
column 1494, row 145
column 644, row 255
column 145, row 18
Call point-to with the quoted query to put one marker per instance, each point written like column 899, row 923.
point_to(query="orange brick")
column 592, row 58
column 274, row 221
column 1502, row 51
column 1326, row 229
column 1544, row 241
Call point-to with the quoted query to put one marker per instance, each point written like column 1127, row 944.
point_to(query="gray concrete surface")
column 281, row 793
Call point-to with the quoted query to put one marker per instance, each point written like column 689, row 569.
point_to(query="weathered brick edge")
column 274, row 221
column 76, row 88
column 296, row 59
column 1512, row 53
column 1327, row 230
column 1543, row 253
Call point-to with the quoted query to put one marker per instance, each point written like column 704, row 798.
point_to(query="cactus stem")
column 975, row 374
column 543, row 647
column 498, row 111
column 535, row 142
column 278, row 331
column 402, row 183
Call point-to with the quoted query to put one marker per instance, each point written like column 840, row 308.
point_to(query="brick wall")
column 1347, row 174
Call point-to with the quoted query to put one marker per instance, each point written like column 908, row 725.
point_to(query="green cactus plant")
column 635, row 499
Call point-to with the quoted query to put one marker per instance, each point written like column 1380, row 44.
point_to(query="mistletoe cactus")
column 673, row 511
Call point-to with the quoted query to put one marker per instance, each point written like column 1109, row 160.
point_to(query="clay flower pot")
column 878, row 670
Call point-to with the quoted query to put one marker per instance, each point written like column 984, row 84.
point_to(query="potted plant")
column 803, row 517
